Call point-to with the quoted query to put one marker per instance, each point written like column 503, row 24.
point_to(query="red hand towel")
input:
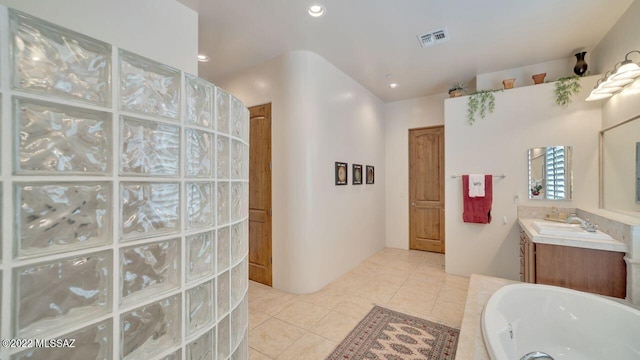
column 477, row 209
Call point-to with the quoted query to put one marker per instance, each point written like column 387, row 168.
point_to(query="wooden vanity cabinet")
column 596, row 271
column 527, row 259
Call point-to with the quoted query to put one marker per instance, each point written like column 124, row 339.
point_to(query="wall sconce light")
column 623, row 74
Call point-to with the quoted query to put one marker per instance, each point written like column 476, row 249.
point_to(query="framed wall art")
column 371, row 175
column 341, row 173
column 357, row 174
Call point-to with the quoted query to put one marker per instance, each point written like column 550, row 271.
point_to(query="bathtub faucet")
column 584, row 224
column 535, row 355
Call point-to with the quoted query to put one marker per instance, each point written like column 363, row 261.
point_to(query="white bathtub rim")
column 495, row 326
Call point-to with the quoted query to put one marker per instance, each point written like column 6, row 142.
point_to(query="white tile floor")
column 287, row 326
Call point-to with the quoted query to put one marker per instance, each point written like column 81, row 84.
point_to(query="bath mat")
column 386, row 334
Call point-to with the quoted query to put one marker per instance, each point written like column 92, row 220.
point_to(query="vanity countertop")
column 610, row 245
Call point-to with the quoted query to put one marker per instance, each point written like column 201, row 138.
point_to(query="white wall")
column 163, row 30
column 524, row 118
column 623, row 37
column 399, row 118
column 319, row 116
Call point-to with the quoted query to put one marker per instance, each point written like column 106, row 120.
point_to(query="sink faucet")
column 584, row 224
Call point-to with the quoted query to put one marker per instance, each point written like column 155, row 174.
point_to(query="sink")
column 567, row 230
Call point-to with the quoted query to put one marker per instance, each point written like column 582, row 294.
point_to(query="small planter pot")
column 538, row 78
column 508, row 84
column 455, row 93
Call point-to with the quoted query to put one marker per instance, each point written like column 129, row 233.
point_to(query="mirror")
column 620, row 167
column 638, row 172
column 550, row 173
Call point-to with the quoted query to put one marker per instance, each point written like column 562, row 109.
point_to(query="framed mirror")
column 638, row 172
column 620, row 167
column 550, row 173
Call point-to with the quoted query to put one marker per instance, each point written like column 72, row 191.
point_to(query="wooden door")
column 426, row 189
column 260, row 194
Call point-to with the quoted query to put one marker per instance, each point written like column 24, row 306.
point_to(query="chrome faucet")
column 536, row 355
column 584, row 224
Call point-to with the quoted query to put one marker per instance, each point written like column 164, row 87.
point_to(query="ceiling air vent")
column 433, row 37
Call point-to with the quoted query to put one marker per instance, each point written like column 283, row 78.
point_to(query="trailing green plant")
column 565, row 88
column 481, row 102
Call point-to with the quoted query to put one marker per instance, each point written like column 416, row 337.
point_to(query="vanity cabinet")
column 527, row 259
column 596, row 271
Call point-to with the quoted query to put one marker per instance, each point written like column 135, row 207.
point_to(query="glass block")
column 222, row 111
column 149, row 209
column 176, row 355
column 203, row 348
column 61, row 293
column 148, row 87
column 237, row 117
column 149, row 148
column 58, row 139
column 224, row 254
column 238, row 243
column 224, row 340
column 200, row 307
column 199, row 153
column 245, row 200
column 223, row 157
column 246, row 122
column 245, row 162
column 222, row 293
column 199, row 205
column 61, row 217
column 151, row 329
column 237, row 159
column 239, row 274
column 91, row 342
column 223, row 203
column 51, row 60
column 242, row 351
column 237, row 326
column 199, row 101
column 200, row 259
column 236, row 201
column 149, row 269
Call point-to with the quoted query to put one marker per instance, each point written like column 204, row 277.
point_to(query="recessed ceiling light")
column 316, row 10
column 203, row 58
column 393, row 85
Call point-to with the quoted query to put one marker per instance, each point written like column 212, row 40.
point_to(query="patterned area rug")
column 389, row 335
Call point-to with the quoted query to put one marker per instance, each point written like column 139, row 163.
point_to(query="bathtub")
column 523, row 318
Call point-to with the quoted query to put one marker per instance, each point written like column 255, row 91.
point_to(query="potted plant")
column 457, row 89
column 535, row 190
column 480, row 102
column 565, row 88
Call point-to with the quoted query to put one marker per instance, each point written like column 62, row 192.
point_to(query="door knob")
column 413, row 204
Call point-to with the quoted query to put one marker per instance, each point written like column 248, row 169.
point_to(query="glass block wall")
column 124, row 187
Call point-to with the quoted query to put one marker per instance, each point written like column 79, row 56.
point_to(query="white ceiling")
column 368, row 39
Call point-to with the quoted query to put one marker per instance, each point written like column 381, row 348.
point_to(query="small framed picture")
column 341, row 173
column 371, row 175
column 357, row 174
